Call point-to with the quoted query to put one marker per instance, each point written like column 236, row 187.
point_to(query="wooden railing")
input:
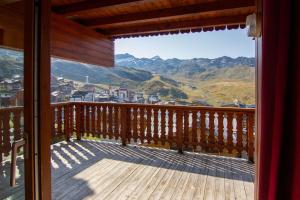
column 185, row 128
column 11, row 129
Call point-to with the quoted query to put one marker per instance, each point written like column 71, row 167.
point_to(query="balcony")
column 216, row 144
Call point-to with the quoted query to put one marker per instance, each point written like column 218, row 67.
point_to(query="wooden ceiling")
column 84, row 30
column 131, row 18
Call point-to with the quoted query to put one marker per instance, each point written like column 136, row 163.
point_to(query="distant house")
column 11, row 85
column 12, row 99
column 153, row 99
column 66, row 88
column 102, row 98
column 78, row 96
column 123, row 95
column 5, row 99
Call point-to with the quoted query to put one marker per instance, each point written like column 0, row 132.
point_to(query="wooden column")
column 1, row 37
column 37, row 99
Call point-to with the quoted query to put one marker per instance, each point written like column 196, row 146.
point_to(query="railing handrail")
column 11, row 108
column 181, row 107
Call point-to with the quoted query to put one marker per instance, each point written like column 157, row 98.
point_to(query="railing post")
column 124, row 125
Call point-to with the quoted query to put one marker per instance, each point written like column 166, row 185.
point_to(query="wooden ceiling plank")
column 191, row 24
column 76, row 8
column 169, row 12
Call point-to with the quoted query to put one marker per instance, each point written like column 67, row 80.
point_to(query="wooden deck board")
column 103, row 170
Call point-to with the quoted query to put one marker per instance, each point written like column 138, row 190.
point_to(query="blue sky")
column 233, row 43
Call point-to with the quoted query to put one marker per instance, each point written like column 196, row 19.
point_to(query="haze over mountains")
column 215, row 81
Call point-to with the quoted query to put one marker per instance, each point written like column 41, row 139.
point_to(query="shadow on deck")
column 104, row 170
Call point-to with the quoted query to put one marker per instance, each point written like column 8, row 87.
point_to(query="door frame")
column 37, row 99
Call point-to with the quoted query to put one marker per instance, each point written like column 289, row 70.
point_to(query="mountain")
column 10, row 63
column 215, row 81
column 182, row 67
column 129, row 77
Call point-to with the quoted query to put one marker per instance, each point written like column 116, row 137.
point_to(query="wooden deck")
column 104, row 170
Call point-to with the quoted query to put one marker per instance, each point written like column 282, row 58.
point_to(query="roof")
column 132, row 18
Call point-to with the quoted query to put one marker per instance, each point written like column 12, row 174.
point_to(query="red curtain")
column 280, row 101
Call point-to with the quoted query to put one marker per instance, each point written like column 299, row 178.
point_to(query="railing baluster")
column 194, row 130
column 229, row 132
column 104, row 121
column 163, row 125
column 124, row 125
column 239, row 144
column 134, row 124
column 170, row 127
column 66, row 122
column 59, row 120
column 6, row 132
column 82, row 114
column 155, row 126
column 142, row 124
column 93, row 114
column 110, row 122
column 220, row 131
column 71, row 119
column 149, row 114
column 179, row 130
column 250, row 140
column 116, row 122
column 211, row 137
column 186, row 129
column 203, row 130
column 17, row 125
column 79, row 121
column 88, row 120
column 1, row 135
column 129, row 124
column 99, row 121
column 52, row 117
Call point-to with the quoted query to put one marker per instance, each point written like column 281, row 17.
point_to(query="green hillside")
column 166, row 88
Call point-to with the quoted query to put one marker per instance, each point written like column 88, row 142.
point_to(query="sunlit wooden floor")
column 103, row 170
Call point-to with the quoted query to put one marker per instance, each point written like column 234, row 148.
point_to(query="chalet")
column 85, row 31
column 153, row 99
column 11, row 85
column 78, row 96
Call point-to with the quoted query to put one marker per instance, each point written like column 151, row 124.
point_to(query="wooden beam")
column 1, row 37
column 190, row 24
column 73, row 41
column 170, row 12
column 5, row 2
column 76, row 8
column 69, row 40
